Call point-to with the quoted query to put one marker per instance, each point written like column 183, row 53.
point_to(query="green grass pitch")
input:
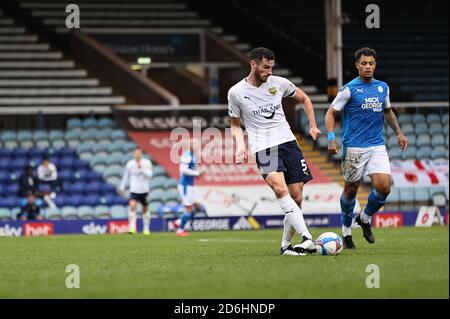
column 413, row 263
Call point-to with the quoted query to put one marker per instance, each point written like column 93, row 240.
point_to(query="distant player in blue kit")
column 188, row 174
column 365, row 102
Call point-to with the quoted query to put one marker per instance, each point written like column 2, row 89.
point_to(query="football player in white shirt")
column 256, row 100
column 139, row 170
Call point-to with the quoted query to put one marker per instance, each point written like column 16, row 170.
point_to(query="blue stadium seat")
column 69, row 212
column 170, row 183
column 158, row 171
column 105, row 122
column 408, row 128
column 422, row 195
column 404, row 119
column 118, row 200
column 9, row 135
column 118, row 134
column 74, row 123
column 93, row 188
column 436, row 128
column 424, row 152
column 55, row 135
column 66, row 175
column 36, row 151
column 102, row 212
column 439, row 152
column 4, row 163
column 423, row 140
column 77, row 188
column 418, row 118
column 85, row 212
column 433, row 118
column 79, row 164
column 74, row 200
column 40, row 135
column 107, row 188
column 90, row 134
column 445, row 118
column 24, row 135
column 85, row 146
column 409, row 153
column 20, row 152
column 421, row 128
column 66, row 163
column 119, row 212
column 104, row 134
column 407, row 198
column 53, row 213
column 94, row 176
column 89, row 122
column 437, row 140
column 5, row 214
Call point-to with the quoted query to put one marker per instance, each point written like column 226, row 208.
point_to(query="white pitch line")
column 205, row 240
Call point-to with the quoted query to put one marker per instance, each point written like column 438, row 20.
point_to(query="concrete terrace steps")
column 37, row 64
column 24, row 47
column 105, row 6
column 18, row 38
column 44, row 74
column 166, row 23
column 119, row 14
column 49, row 55
column 49, row 83
column 51, row 101
column 55, row 91
column 12, row 30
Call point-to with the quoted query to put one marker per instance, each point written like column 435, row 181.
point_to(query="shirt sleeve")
column 148, row 169
column 387, row 100
column 40, row 172
column 234, row 109
column 54, row 172
column 341, row 99
column 287, row 87
column 123, row 182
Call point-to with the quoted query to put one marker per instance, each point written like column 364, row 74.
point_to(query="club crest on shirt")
column 273, row 90
column 380, row 89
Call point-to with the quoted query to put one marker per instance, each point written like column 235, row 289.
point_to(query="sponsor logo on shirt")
column 267, row 112
column 273, row 90
column 372, row 103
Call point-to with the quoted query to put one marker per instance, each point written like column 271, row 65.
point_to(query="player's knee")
column 350, row 192
column 298, row 200
column 280, row 191
column 384, row 189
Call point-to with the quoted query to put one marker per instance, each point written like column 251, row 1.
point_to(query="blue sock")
column 184, row 219
column 374, row 203
column 347, row 207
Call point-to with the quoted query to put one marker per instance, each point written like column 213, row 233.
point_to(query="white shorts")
column 367, row 160
column 188, row 195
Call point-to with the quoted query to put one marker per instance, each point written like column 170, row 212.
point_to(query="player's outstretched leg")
column 347, row 207
column 184, row 218
column 375, row 202
column 146, row 219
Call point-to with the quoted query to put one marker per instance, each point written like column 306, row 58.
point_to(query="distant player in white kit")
column 257, row 101
column 139, row 170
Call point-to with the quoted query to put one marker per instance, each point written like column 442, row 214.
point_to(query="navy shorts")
column 141, row 198
column 287, row 158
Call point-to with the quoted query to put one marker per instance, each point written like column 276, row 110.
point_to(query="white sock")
column 294, row 215
column 132, row 220
column 146, row 218
column 365, row 218
column 288, row 233
column 346, row 231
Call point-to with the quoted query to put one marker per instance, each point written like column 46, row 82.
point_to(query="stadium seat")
column 74, row 123
column 118, row 134
column 158, row 182
column 445, row 118
column 98, row 160
column 436, row 128
column 119, row 212
column 106, row 122
column 9, row 136
column 424, row 152
column 128, row 147
column 409, row 153
column 158, row 171
column 404, row 119
column 408, row 128
column 421, row 128
column 86, row 155
column 56, row 135
column 437, row 140
column 89, row 122
column 5, row 214
column 69, row 212
column 53, row 213
column 43, row 144
column 170, row 183
column 418, row 118
column 171, row 196
column 407, row 198
column 85, row 212
column 439, row 152
column 102, row 212
column 433, row 118
column 423, row 140
column 421, row 196
column 392, row 141
column 90, row 134
column 115, row 147
column 40, row 135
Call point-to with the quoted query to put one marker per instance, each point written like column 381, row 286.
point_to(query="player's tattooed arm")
column 330, row 123
column 238, row 135
column 391, row 119
column 301, row 97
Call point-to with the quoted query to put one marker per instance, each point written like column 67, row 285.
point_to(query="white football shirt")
column 261, row 112
column 139, row 177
